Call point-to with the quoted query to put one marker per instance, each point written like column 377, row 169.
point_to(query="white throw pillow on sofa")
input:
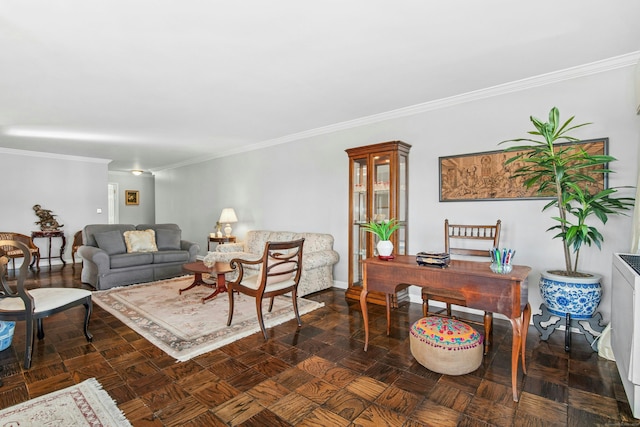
column 140, row 241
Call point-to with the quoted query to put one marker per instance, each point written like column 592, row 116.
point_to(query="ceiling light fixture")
column 137, row 172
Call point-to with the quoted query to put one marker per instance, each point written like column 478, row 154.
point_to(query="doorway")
column 114, row 214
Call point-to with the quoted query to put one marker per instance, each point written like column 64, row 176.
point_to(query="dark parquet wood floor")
column 316, row 376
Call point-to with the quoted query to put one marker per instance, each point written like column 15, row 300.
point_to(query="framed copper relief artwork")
column 484, row 176
column 132, row 197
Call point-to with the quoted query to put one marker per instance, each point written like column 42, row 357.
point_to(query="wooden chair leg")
column 88, row 309
column 28, row 351
column 260, row 320
column 40, row 328
column 425, row 307
column 448, row 310
column 230, row 317
column 294, row 298
column 271, row 304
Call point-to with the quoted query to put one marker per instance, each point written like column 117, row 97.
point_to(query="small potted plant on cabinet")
column 567, row 173
column 383, row 229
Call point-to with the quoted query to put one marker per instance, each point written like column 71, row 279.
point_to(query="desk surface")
column 474, row 281
column 482, row 289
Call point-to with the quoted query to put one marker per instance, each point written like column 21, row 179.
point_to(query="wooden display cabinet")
column 378, row 190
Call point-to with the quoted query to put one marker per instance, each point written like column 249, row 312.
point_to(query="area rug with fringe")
column 181, row 325
column 84, row 404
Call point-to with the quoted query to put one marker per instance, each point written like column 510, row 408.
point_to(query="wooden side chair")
column 77, row 242
column 33, row 305
column 462, row 240
column 13, row 253
column 279, row 273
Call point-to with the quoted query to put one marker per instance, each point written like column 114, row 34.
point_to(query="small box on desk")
column 433, row 259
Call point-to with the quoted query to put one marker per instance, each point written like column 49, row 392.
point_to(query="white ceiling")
column 155, row 83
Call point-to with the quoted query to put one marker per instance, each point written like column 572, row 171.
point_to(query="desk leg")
column 365, row 316
column 388, row 302
column 519, row 328
column 488, row 331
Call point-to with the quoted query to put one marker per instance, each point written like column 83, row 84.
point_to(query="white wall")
column 302, row 185
column 73, row 188
column 144, row 213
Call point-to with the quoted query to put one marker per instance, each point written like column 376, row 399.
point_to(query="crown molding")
column 622, row 61
column 52, row 155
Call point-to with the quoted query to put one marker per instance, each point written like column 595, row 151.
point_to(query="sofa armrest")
column 95, row 255
column 319, row 259
column 230, row 247
column 191, row 247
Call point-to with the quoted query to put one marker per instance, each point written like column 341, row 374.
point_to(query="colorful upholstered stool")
column 447, row 346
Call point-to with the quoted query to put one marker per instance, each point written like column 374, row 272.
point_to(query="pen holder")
column 501, row 268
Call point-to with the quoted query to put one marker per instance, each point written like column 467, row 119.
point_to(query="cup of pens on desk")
column 501, row 260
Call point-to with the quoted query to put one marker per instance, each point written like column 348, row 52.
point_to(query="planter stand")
column 546, row 331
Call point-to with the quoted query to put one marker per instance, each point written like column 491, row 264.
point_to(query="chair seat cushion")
column 447, row 346
column 45, row 299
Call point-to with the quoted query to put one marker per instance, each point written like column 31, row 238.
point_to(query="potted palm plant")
column 567, row 174
column 383, row 229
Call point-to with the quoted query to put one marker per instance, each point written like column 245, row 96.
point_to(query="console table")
column 50, row 234
column 483, row 289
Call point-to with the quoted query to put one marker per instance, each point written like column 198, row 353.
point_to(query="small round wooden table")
column 198, row 268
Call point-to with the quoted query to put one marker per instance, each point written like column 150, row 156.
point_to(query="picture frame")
column 131, row 197
column 484, row 176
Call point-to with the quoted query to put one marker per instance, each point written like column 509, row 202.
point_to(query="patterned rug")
column 84, row 404
column 181, row 325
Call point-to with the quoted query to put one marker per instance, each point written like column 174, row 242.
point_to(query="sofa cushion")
column 131, row 260
column 168, row 239
column 89, row 231
column 170, row 256
column 140, row 241
column 111, row 242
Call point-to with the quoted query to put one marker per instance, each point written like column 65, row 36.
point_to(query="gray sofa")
column 318, row 256
column 108, row 262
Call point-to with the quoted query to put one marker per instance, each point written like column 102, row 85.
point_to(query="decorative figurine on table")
column 47, row 219
column 218, row 229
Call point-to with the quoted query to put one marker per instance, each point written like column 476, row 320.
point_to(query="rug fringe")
column 101, row 394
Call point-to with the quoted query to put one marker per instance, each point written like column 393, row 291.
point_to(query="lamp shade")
column 228, row 215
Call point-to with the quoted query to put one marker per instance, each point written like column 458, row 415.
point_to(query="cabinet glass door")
column 381, row 186
column 401, row 234
column 360, row 216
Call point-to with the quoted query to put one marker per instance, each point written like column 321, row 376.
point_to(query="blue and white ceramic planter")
column 578, row 296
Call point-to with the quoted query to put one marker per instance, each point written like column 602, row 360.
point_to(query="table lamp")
column 228, row 216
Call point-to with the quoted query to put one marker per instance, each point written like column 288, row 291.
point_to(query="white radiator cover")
column 625, row 328
column 638, row 88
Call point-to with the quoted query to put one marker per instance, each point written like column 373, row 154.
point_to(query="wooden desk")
column 482, row 289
